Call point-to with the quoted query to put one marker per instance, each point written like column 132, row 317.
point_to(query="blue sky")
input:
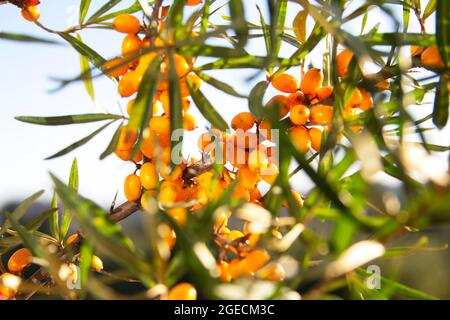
column 27, row 70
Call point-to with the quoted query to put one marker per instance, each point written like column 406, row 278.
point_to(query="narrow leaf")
column 86, row 70
column 441, row 104
column 66, row 217
column 79, row 143
column 91, row 55
column 25, row 38
column 64, row 120
column 239, row 24
column 54, row 218
column 206, row 108
column 84, row 7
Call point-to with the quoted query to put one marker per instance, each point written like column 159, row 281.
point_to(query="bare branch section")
column 18, row 3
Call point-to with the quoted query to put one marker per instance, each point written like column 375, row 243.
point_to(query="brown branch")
column 124, row 211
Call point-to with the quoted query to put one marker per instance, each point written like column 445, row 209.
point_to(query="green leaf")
column 401, row 288
column 277, row 22
column 107, row 235
column 400, row 39
column 79, row 143
column 36, row 222
column 105, row 8
column 24, row 38
column 222, row 86
column 249, row 61
column 86, row 254
column 142, row 110
column 66, row 217
column 238, row 21
column 112, row 144
column 54, row 218
column 64, row 120
column 86, row 70
column 29, row 240
column 206, row 108
column 22, row 208
column 406, row 14
column 84, row 7
column 441, row 104
column 91, row 55
column 255, row 99
column 443, row 30
column 176, row 107
column 429, row 9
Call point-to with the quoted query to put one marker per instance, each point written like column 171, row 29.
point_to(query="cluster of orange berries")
column 30, row 11
column 21, row 259
column 309, row 106
column 247, row 261
column 17, row 263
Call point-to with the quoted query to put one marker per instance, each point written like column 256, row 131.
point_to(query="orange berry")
column 312, row 81
column 324, row 93
column 343, row 60
column 383, row 85
column 181, row 65
column 114, row 69
column 206, row 142
column 31, row 13
column 281, row 103
column 355, row 99
column 182, row 291
column 298, row 198
column 265, row 129
column 256, row 259
column 167, row 194
column 178, row 214
column 295, row 98
column 195, row 80
column 272, row 272
column 270, row 174
column 321, row 114
column 300, row 139
column 5, row 290
column 234, row 235
column 247, row 177
column 96, row 264
column 131, row 44
column 132, row 187
column 71, row 238
column 31, row 3
column 127, row 138
column 193, row 2
column 243, row 121
column 189, row 122
column 126, row 23
column 128, row 85
column 257, row 160
column 285, row 83
column 19, row 260
column 149, row 176
column 316, row 138
column 366, row 101
column 299, row 114
column 416, row 50
column 432, row 58
column 254, row 193
column 160, row 126
column 224, row 269
column 147, row 147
